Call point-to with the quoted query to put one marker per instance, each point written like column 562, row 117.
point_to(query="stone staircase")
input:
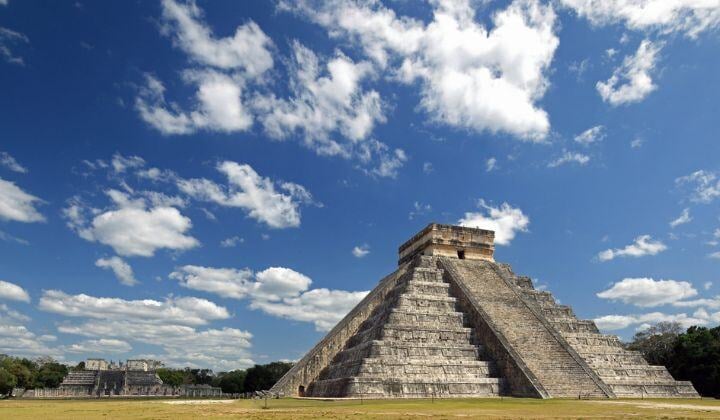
column 626, row 372
column 414, row 345
column 547, row 355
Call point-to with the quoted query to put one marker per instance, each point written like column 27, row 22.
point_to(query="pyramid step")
column 405, row 350
column 427, row 288
column 403, row 388
column 425, row 319
column 433, row 275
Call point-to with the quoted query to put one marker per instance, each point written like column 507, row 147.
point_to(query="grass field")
column 302, row 408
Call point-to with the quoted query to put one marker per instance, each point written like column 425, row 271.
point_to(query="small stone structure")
column 136, row 378
column 451, row 322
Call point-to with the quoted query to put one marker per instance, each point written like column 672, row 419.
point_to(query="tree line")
column 693, row 355
column 256, row 378
column 16, row 372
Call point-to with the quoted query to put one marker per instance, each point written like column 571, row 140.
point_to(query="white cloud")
column 121, row 163
column 219, row 105
column 569, row 157
column 618, row 322
column 470, row 77
column 691, row 17
column 322, row 307
column 326, row 102
column 636, row 143
column 632, row 81
column 647, row 292
column 17, row 205
column 11, row 291
column 8, row 38
column 181, row 310
column 248, row 50
column 220, row 349
column 715, row 255
column 101, row 347
column 231, row 242
column 705, row 183
column 682, row 219
column 248, row 190
column 707, row 285
column 643, row 245
column 505, row 220
column 130, row 227
column 712, row 303
column 277, row 291
column 10, row 163
column 361, row 250
column 17, row 340
column 491, row 164
column 428, row 168
column 419, row 209
column 122, row 270
column 591, row 135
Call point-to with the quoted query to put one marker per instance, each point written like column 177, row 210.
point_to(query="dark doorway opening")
column 461, row 255
column 301, row 391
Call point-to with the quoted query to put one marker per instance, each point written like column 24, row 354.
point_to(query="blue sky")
column 217, row 183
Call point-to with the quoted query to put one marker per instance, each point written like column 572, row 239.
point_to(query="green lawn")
column 302, row 408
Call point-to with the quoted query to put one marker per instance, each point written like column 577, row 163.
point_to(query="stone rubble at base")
column 451, row 322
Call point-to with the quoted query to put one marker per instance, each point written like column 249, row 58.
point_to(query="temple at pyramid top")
column 449, row 241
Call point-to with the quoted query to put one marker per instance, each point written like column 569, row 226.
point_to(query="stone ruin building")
column 135, row 378
column 452, row 322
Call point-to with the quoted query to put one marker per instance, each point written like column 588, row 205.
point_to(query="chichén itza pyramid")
column 451, row 322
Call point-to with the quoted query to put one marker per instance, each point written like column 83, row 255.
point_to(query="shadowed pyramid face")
column 449, row 241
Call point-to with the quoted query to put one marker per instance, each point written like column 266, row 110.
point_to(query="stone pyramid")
column 451, row 322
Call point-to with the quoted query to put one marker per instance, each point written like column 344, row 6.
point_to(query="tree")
column 79, row 367
column 263, row 377
column 233, row 382
column 657, row 342
column 7, row 381
column 172, row 377
column 50, row 375
column 201, row 376
column 696, row 357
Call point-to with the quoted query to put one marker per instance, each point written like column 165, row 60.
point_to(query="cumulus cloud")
column 618, row 322
column 19, row 341
column 361, row 250
column 219, row 105
column 120, row 268
column 260, row 197
column 175, row 310
column 569, row 157
column 469, row 76
column 122, row 163
column 17, row 205
column 101, row 347
column 131, row 227
column 647, row 292
column 9, row 162
column 491, row 164
column 682, row 219
column 643, row 245
column 322, row 307
column 591, row 135
column 505, row 220
column 323, row 103
column 691, row 17
column 8, row 39
column 632, row 81
column 231, row 242
column 11, row 291
column 705, row 185
column 278, row 291
column 249, row 50
column 221, row 349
